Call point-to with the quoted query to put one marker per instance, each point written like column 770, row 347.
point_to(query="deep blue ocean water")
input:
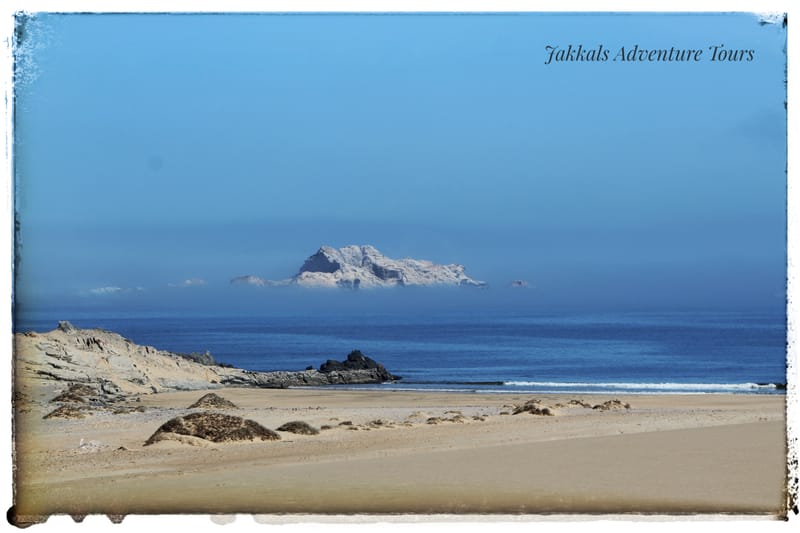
column 485, row 351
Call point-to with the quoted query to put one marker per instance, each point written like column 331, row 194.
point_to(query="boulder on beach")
column 213, row 401
column 214, row 427
column 299, row 427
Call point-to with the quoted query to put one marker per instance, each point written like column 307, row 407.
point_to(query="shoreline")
column 581, row 392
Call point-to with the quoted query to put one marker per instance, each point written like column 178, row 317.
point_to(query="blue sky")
column 155, row 149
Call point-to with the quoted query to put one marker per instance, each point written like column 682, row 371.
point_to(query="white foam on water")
column 644, row 386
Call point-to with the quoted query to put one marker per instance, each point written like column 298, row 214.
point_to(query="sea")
column 483, row 351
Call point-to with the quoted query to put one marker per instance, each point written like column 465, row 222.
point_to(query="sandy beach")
column 407, row 452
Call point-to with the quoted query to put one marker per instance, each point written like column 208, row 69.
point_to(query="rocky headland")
column 104, row 366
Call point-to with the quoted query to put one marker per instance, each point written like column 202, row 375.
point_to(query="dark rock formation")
column 777, row 386
column 307, row 378
column 214, row 427
column 357, row 369
column 212, row 401
column 357, row 361
column 299, row 427
column 322, row 261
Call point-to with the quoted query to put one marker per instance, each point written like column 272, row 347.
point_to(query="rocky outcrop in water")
column 355, row 267
column 304, row 378
column 357, row 361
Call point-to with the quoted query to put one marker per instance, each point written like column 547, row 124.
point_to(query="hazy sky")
column 155, row 149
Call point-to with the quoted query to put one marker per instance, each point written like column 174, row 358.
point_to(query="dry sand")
column 666, row 454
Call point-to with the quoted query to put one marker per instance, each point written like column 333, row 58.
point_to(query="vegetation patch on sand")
column 612, row 404
column 213, row 401
column 299, row 427
column 533, row 407
column 380, row 423
column 76, row 393
column 214, row 427
column 66, row 411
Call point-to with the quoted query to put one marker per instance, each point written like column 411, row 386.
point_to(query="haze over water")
column 643, row 204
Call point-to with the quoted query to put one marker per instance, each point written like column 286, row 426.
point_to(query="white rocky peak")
column 364, row 266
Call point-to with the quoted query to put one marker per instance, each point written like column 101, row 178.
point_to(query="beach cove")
column 387, row 451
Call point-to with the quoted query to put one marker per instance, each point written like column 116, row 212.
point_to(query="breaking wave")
column 659, row 387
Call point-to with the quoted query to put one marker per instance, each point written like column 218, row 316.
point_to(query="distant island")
column 356, row 267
